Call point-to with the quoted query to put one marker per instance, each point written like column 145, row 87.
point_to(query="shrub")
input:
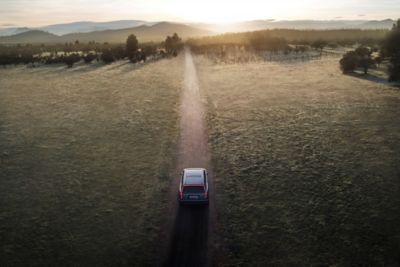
column 319, row 44
column 107, row 57
column 349, row 62
column 71, row 59
column 89, row 58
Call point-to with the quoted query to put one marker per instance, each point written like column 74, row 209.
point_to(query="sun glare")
column 223, row 12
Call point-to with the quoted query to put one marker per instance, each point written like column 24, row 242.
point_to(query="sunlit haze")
column 44, row 12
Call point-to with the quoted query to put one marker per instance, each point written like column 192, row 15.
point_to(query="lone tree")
column 173, row 44
column 391, row 49
column 132, row 46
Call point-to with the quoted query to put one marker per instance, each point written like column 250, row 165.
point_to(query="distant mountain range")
column 89, row 26
column 77, row 27
column 117, row 31
column 145, row 33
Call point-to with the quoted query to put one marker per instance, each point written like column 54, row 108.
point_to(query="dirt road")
column 192, row 228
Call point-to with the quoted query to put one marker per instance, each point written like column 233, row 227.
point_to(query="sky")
column 34, row 13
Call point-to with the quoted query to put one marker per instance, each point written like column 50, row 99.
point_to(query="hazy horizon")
column 35, row 13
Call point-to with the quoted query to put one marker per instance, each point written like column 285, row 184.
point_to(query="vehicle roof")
column 194, row 176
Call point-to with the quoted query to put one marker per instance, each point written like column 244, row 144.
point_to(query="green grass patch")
column 307, row 164
column 85, row 155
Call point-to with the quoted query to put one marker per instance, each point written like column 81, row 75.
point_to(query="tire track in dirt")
column 191, row 239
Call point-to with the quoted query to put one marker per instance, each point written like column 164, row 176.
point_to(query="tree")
column 349, row 62
column 360, row 58
column 391, row 49
column 173, row 44
column 364, row 58
column 132, row 46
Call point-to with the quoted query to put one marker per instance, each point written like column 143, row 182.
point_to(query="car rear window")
column 194, row 179
column 193, row 189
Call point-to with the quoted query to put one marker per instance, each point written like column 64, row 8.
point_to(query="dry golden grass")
column 307, row 164
column 85, row 157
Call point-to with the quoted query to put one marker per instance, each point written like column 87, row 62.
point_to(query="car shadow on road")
column 190, row 240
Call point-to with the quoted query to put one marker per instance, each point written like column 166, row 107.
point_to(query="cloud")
column 7, row 25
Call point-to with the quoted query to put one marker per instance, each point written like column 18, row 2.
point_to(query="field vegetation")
column 306, row 162
column 71, row 53
column 305, row 37
column 85, row 157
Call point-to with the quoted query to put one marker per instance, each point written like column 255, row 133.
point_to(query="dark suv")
column 193, row 187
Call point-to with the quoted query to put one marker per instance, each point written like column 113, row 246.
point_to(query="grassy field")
column 84, row 160
column 307, row 164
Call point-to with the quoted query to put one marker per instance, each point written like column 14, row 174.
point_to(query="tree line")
column 72, row 53
column 343, row 37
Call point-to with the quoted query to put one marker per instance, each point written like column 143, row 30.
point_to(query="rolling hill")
column 34, row 36
column 145, row 33
column 89, row 26
column 76, row 27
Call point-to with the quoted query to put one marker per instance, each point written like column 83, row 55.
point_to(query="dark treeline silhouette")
column 391, row 50
column 301, row 37
column 282, row 44
column 71, row 53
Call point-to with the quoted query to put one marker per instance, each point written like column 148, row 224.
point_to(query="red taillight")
column 206, row 194
column 180, row 194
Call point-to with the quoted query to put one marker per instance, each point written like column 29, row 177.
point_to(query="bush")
column 349, row 62
column 107, row 57
column 119, row 52
column 319, row 44
column 71, row 59
column 89, row 58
